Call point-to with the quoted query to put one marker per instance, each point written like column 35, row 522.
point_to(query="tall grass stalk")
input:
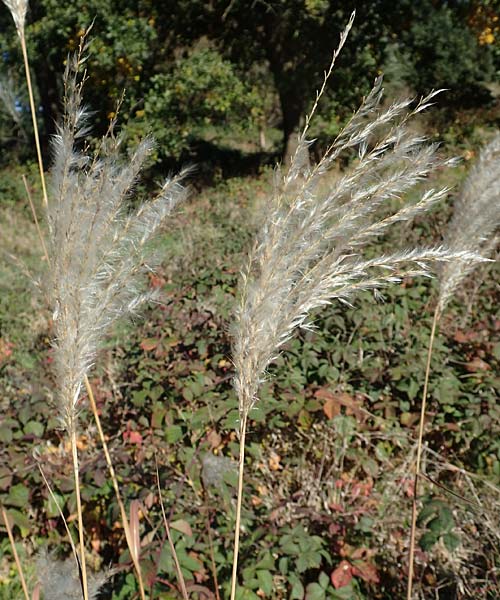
column 78, row 182
column 472, row 228
column 310, row 249
column 170, row 539
column 98, row 252
column 18, row 10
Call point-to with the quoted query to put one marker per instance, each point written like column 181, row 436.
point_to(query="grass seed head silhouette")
column 98, row 249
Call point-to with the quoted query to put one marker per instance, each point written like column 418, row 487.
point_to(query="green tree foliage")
column 441, row 51
column 200, row 92
column 295, row 39
column 191, row 68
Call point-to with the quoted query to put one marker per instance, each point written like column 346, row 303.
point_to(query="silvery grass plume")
column 60, row 580
column 98, row 250
column 18, row 10
column 311, row 249
column 475, row 220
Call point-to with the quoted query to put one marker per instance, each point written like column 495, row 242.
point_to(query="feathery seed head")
column 18, row 9
column 310, row 249
column 476, row 216
column 99, row 249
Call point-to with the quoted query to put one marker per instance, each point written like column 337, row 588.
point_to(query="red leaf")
column 182, row 526
column 477, row 364
column 342, row 575
column 149, row 344
column 133, row 437
column 366, row 571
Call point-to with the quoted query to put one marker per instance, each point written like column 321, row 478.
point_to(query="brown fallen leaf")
column 477, row 364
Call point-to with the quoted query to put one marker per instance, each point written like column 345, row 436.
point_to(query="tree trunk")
column 292, row 108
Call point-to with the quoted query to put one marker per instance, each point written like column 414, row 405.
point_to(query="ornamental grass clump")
column 472, row 228
column 312, row 248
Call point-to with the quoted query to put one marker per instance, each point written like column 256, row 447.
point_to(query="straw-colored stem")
column 33, row 116
column 14, row 552
column 112, row 474
column 83, row 564
column 61, row 514
column 212, row 559
column 243, row 431
column 35, row 218
column 177, row 564
column 414, row 507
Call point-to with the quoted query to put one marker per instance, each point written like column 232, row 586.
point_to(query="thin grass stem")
column 112, row 473
column 212, row 558
column 180, row 576
column 237, row 527
column 418, row 461
column 76, row 471
column 33, row 116
column 15, row 554
column 61, row 514
column 37, row 224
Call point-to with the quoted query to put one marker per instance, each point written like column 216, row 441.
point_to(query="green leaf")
column 265, row 580
column 34, row 428
column 451, row 541
column 21, row 520
column 324, row 580
column 173, row 434
column 315, row 592
column 18, row 496
column 52, row 510
column 297, row 592
column 5, row 433
column 344, row 593
column 189, row 563
column 428, row 540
